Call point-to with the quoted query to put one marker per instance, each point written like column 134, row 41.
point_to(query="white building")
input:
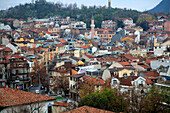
column 78, row 25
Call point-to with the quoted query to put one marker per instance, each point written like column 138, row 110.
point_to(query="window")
column 124, row 74
column 114, row 81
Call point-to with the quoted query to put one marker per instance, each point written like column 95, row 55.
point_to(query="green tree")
column 107, row 99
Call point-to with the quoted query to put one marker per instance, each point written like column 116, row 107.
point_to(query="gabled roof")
column 127, row 81
column 59, row 45
column 124, row 63
column 130, row 57
column 145, row 66
column 87, row 109
column 94, row 80
column 62, row 104
column 11, row 97
column 6, row 49
column 89, row 56
column 151, row 74
column 63, row 41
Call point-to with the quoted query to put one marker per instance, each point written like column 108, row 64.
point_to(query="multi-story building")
column 108, row 24
column 19, row 75
column 127, row 21
column 106, row 34
column 78, row 25
column 167, row 26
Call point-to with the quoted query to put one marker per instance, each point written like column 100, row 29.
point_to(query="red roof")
column 124, row 63
column 144, row 66
column 63, row 41
column 148, row 81
column 10, row 19
column 127, row 81
column 90, row 56
column 62, row 104
column 84, row 47
column 130, row 57
column 95, row 81
column 10, row 97
column 87, row 109
column 59, row 45
column 7, row 49
column 151, row 74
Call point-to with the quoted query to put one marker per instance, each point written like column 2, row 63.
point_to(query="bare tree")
column 61, row 83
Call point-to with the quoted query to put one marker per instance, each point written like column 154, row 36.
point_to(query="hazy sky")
column 140, row 5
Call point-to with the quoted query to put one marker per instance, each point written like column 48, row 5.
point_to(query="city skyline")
column 129, row 4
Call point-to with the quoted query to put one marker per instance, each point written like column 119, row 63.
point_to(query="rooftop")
column 11, row 97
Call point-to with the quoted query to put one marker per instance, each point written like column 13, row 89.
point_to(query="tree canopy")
column 43, row 9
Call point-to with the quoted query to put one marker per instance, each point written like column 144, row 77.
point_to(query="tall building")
column 109, row 3
column 92, row 28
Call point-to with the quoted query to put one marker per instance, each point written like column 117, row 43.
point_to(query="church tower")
column 109, row 3
column 92, row 28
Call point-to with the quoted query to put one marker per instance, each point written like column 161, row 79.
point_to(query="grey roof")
column 118, row 36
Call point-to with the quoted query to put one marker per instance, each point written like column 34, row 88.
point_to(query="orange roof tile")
column 148, row 81
column 87, row 109
column 62, row 104
column 124, row 63
column 95, row 81
column 10, row 97
column 151, row 74
column 59, row 45
column 63, row 41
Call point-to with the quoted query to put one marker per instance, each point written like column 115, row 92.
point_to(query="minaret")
column 92, row 28
column 109, row 3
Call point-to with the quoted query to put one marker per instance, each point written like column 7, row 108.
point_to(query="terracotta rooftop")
column 144, row 66
column 63, row 41
column 130, row 57
column 87, row 109
column 62, row 104
column 151, row 74
column 124, row 63
column 7, row 49
column 95, row 81
column 127, row 81
column 59, row 45
column 90, row 56
column 10, row 97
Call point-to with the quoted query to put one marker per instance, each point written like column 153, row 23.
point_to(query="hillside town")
column 49, row 60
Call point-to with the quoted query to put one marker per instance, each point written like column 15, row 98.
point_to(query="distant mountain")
column 163, row 6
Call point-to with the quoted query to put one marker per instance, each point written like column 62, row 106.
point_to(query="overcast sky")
column 140, row 5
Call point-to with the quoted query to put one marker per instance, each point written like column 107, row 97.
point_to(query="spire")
column 92, row 18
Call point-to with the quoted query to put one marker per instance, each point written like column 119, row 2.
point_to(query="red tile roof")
column 63, row 41
column 130, row 57
column 62, row 104
column 84, row 47
column 7, row 49
column 59, row 45
column 90, row 56
column 127, row 81
column 144, row 66
column 124, row 63
column 151, row 74
column 10, row 97
column 95, row 81
column 87, row 109
column 148, row 81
